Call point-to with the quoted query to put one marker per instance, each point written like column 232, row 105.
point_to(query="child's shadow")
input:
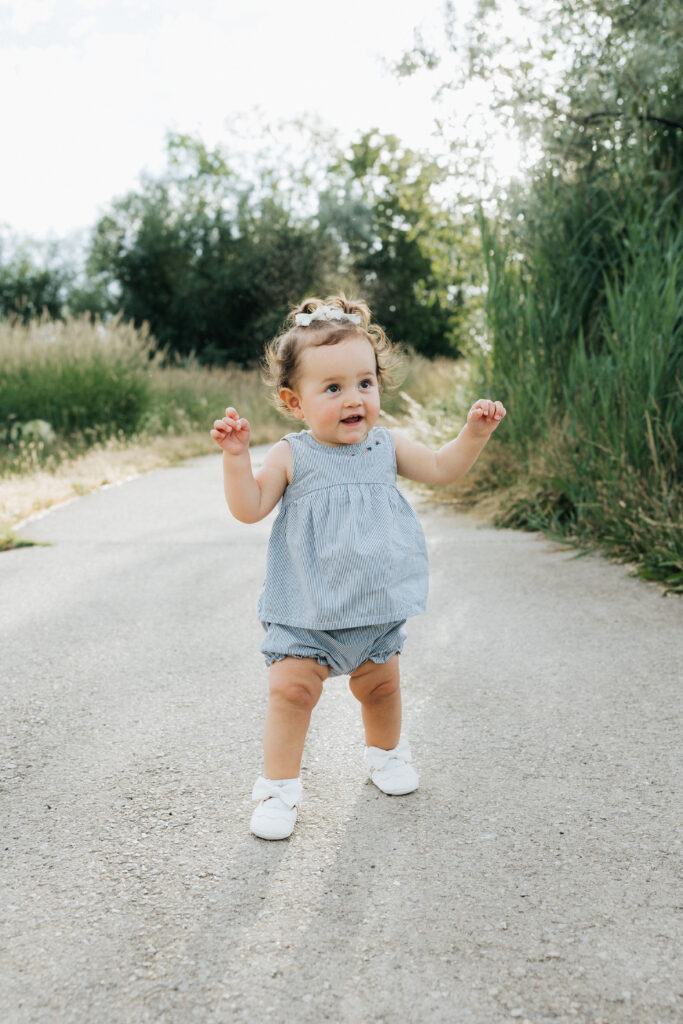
column 314, row 914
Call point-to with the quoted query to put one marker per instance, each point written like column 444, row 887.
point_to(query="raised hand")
column 485, row 416
column 231, row 433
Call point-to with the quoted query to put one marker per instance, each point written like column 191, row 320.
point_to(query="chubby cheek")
column 327, row 411
column 372, row 403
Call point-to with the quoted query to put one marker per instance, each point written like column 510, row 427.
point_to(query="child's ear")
column 292, row 401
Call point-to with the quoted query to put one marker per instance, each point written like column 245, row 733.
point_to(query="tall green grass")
column 78, row 376
column 586, row 348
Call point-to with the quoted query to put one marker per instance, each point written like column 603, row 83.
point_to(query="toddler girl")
column 347, row 561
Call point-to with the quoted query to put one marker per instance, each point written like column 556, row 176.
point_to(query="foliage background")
column 563, row 290
column 212, row 258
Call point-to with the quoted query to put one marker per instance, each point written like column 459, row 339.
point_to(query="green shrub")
column 79, row 376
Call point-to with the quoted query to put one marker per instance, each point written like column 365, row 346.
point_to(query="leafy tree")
column 584, row 264
column 406, row 251
column 579, row 80
column 594, row 87
column 31, row 280
column 208, row 262
column 212, row 259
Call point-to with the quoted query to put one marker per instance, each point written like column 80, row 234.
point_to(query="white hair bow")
column 326, row 313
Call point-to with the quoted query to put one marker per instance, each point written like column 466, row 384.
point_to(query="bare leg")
column 295, row 688
column 378, row 690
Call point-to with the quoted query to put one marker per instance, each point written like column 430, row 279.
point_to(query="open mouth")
column 352, row 419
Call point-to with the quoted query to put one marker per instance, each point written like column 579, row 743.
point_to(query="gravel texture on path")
column 532, row 877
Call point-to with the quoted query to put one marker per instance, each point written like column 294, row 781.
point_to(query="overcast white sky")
column 90, row 87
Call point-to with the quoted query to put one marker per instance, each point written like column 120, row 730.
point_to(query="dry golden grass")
column 434, row 412
column 45, row 342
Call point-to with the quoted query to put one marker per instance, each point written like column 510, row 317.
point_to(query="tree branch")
column 619, row 116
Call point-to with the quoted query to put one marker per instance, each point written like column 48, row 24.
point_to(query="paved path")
column 530, row 878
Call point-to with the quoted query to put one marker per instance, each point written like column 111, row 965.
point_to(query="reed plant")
column 586, row 349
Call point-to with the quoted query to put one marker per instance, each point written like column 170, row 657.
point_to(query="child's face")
column 337, row 392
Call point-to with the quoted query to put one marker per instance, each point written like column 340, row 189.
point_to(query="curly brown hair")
column 282, row 354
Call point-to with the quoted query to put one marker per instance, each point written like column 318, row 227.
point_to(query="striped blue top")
column 346, row 548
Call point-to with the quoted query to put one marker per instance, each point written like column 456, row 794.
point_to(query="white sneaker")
column 275, row 816
column 390, row 769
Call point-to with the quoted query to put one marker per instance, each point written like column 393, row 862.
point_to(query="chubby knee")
column 377, row 684
column 297, row 694
column 387, row 688
column 300, row 687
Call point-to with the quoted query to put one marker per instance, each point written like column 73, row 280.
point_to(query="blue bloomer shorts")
column 344, row 650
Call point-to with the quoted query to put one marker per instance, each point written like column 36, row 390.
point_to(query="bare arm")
column 250, row 496
column 417, row 462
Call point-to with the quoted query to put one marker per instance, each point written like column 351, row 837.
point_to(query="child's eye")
column 366, row 384
column 332, row 388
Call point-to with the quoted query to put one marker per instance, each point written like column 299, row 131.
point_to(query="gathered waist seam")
column 343, row 483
